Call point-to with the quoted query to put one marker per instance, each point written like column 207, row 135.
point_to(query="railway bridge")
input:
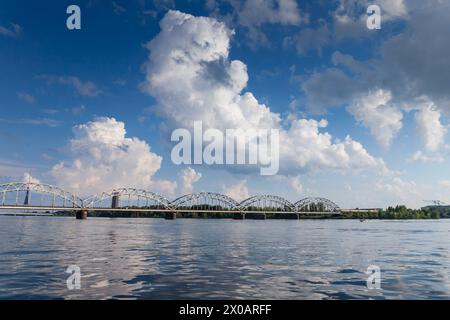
column 43, row 197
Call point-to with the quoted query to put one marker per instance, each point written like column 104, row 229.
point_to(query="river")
column 223, row 259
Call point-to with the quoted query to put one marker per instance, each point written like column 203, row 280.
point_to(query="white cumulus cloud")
column 429, row 125
column 190, row 75
column 28, row 178
column 188, row 177
column 103, row 158
column 238, row 191
column 375, row 111
column 192, row 78
column 303, row 147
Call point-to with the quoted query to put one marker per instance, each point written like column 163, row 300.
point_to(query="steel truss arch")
column 267, row 201
column 56, row 193
column 206, row 199
column 316, row 204
column 131, row 194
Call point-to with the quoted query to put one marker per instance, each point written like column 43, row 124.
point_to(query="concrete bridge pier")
column 239, row 216
column 82, row 215
column 170, row 215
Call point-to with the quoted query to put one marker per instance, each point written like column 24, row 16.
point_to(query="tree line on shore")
column 397, row 212
column 402, row 212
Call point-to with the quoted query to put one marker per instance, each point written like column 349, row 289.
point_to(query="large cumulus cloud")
column 192, row 78
column 103, row 158
column 410, row 66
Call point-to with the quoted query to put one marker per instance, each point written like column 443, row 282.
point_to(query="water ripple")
column 223, row 259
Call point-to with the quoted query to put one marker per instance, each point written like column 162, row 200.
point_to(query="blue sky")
column 66, row 96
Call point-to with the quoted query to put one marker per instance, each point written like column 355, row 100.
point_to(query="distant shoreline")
column 391, row 213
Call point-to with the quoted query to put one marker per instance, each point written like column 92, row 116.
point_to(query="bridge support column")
column 239, row 216
column 82, row 215
column 115, row 201
column 170, row 215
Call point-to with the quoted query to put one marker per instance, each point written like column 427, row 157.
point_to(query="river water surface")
column 223, row 259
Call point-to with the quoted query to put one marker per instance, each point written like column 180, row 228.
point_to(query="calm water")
column 214, row 259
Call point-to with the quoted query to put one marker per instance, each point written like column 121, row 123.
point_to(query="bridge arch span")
column 266, row 202
column 204, row 200
column 37, row 194
column 127, row 198
column 317, row 204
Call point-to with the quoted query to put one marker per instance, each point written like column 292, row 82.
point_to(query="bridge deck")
column 44, row 208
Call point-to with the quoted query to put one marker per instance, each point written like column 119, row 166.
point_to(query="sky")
column 362, row 114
